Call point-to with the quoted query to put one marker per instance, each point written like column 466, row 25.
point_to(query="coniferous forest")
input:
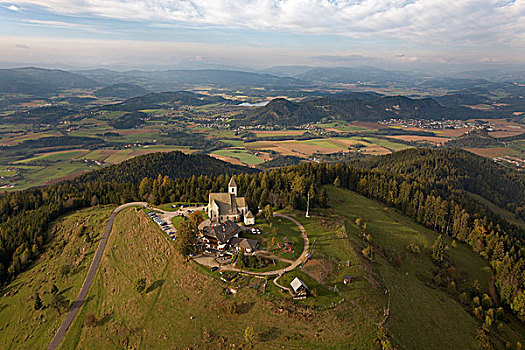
column 436, row 188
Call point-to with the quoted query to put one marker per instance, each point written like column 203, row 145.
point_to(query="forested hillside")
column 449, row 170
column 428, row 186
column 122, row 90
column 285, row 113
column 473, row 139
column 162, row 99
column 36, row 81
column 172, row 164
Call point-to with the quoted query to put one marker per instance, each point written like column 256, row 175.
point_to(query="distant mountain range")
column 38, row 81
column 292, row 81
column 180, row 79
column 368, row 75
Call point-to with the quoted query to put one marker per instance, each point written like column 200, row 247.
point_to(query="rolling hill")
column 414, row 197
column 39, row 81
column 287, row 113
column 346, row 75
column 178, row 79
column 172, row 164
column 121, row 90
column 166, row 99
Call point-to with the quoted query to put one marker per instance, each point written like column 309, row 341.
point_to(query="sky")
column 254, row 34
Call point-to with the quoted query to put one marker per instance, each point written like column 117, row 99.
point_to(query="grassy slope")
column 161, row 318
column 441, row 322
column 20, row 325
column 242, row 155
column 505, row 214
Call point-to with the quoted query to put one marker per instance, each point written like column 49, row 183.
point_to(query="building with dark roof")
column 224, row 236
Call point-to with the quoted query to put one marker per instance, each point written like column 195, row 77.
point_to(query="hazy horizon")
column 163, row 34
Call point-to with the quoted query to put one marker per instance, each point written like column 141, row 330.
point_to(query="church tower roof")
column 232, row 182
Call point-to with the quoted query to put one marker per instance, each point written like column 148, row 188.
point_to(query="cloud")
column 96, row 52
column 57, row 24
column 12, row 8
column 340, row 59
column 469, row 22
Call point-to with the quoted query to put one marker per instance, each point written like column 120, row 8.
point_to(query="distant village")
column 437, row 124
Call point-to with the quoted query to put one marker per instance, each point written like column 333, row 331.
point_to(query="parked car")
column 215, row 268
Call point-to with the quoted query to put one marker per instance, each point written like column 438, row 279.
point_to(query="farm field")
column 308, row 148
column 342, row 127
column 10, row 141
column 264, row 133
column 227, row 159
column 427, row 139
column 209, row 124
column 241, row 155
column 53, row 166
column 392, row 146
column 7, row 172
column 37, row 175
column 490, row 152
column 55, row 156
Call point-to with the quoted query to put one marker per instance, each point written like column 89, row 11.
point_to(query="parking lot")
column 164, row 224
column 163, row 218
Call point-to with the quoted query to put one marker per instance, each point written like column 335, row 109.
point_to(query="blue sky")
column 259, row 33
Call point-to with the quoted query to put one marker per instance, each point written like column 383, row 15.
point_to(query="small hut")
column 300, row 290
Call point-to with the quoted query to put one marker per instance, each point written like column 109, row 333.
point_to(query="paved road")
column 301, row 259
column 77, row 304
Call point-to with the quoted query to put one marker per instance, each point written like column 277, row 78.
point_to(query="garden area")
column 279, row 236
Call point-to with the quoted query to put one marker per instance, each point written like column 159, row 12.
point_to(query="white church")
column 228, row 206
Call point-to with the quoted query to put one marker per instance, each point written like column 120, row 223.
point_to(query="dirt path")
column 492, row 290
column 77, row 304
column 278, row 285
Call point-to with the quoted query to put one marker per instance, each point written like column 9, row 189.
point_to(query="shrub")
column 414, row 248
column 91, row 320
column 140, row 285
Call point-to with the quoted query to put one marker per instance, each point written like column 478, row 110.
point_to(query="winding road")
column 77, row 304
